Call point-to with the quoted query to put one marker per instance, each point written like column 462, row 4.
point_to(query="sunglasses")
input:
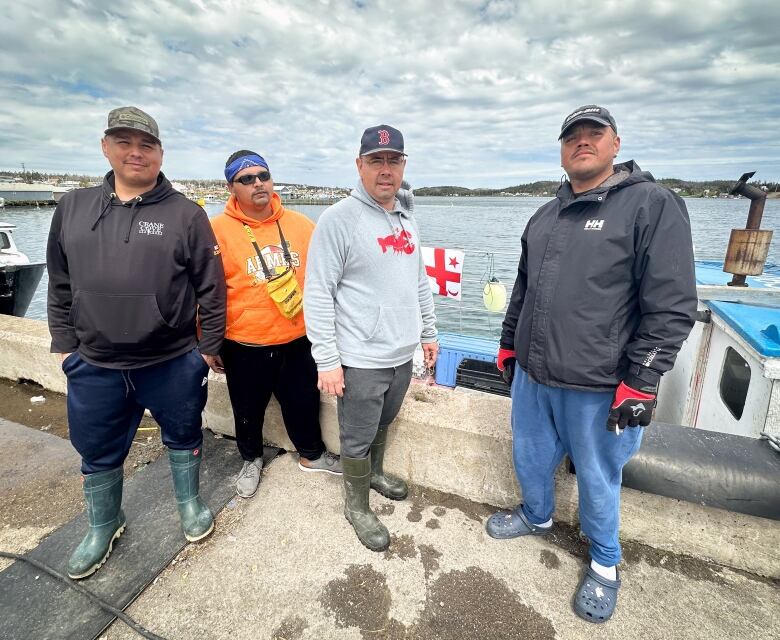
column 250, row 178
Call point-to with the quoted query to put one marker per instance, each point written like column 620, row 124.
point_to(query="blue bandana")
column 242, row 163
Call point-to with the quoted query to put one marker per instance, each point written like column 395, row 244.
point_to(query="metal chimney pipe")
column 748, row 248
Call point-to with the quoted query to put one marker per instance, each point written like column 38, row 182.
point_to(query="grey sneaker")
column 249, row 478
column 327, row 463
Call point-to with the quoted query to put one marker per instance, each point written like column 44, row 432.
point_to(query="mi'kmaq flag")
column 444, row 268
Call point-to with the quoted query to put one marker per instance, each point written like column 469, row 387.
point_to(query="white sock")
column 610, row 573
column 544, row 525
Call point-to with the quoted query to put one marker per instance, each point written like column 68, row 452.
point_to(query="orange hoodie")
column 252, row 317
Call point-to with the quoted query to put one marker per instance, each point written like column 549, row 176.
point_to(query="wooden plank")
column 751, row 295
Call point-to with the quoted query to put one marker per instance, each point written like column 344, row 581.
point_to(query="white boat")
column 18, row 276
column 727, row 374
column 9, row 253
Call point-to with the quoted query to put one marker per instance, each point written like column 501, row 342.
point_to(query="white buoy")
column 494, row 296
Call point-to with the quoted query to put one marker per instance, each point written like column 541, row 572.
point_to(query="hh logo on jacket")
column 594, row 225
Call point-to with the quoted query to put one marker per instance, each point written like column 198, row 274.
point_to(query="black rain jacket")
column 126, row 281
column 605, row 286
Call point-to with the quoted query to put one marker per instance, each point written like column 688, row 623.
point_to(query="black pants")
column 286, row 370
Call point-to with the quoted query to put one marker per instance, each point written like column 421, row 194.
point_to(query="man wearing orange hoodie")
column 265, row 350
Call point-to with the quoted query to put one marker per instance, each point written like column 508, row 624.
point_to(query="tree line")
column 690, row 188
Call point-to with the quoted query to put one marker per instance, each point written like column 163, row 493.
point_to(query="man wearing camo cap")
column 131, row 263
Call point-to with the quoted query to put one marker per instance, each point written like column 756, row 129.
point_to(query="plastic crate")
column 454, row 348
column 482, row 376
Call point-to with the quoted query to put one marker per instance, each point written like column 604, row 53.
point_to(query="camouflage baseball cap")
column 132, row 118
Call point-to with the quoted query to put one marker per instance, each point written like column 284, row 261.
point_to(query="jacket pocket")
column 255, row 325
column 396, row 327
column 582, row 353
column 615, row 348
column 105, row 321
column 71, row 359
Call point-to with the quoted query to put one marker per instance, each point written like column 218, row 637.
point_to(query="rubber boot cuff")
column 196, row 518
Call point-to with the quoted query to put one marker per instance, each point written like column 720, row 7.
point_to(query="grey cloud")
column 479, row 88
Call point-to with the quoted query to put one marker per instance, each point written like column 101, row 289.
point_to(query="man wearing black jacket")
column 133, row 266
column 605, row 296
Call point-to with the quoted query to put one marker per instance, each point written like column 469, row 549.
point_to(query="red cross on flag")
column 444, row 268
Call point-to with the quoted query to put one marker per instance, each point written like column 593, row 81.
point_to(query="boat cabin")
column 9, row 254
column 727, row 374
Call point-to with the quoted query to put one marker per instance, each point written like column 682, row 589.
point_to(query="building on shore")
column 21, row 193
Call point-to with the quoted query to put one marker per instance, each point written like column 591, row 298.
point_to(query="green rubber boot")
column 357, row 477
column 196, row 518
column 103, row 502
column 389, row 486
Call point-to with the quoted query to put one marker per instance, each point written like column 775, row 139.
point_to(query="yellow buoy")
column 201, row 202
column 494, row 296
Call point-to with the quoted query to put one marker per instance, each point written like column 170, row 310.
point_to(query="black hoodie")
column 127, row 280
column 605, row 286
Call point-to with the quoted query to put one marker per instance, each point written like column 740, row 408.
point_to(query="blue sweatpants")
column 548, row 422
column 105, row 406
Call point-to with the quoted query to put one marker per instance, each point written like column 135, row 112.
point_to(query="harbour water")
column 482, row 226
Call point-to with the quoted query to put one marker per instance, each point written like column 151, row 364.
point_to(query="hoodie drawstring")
column 389, row 219
column 104, row 211
column 133, row 211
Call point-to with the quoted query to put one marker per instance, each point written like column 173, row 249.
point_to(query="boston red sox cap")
column 383, row 137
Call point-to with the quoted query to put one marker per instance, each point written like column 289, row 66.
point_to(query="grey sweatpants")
column 372, row 398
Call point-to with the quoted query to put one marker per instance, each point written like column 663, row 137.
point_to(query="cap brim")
column 380, row 149
column 601, row 121
column 115, row 129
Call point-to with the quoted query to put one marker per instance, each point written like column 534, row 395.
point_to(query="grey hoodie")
column 367, row 302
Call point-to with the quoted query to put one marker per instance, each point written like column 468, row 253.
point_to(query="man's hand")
column 63, row 356
column 430, row 354
column 505, row 361
column 331, row 382
column 631, row 407
column 215, row 363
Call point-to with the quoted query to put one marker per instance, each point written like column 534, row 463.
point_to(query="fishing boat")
column 18, row 276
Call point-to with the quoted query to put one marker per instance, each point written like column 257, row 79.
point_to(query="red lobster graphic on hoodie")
column 399, row 242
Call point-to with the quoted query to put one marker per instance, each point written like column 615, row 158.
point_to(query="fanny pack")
column 282, row 285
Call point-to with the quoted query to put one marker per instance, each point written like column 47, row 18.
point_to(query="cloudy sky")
column 478, row 87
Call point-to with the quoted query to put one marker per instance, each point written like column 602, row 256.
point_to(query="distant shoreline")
column 293, row 202
column 548, row 188
column 774, row 195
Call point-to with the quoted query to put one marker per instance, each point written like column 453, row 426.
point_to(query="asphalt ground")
column 285, row 564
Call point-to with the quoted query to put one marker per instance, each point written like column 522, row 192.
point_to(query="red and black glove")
column 633, row 404
column 506, row 364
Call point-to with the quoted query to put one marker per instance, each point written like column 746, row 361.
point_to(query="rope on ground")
column 74, row 585
column 772, row 441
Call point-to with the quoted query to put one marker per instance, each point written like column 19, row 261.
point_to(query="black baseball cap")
column 591, row 112
column 382, row 137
